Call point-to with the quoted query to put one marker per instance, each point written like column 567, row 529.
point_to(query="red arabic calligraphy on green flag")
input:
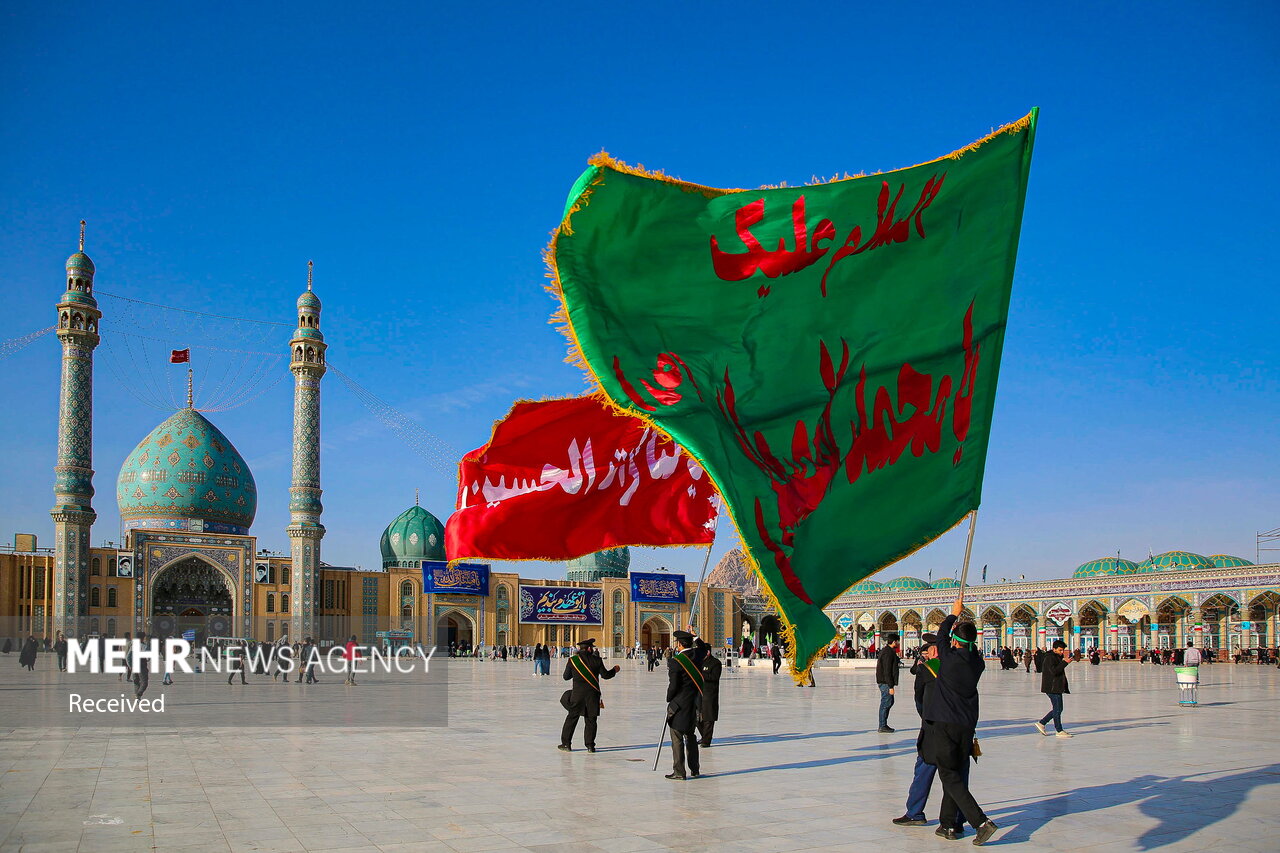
column 828, row 352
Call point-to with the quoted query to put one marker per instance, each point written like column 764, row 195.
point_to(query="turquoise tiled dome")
column 610, row 563
column 1226, row 561
column 413, row 536
column 1105, row 566
column 865, row 587
column 308, row 299
column 946, row 583
column 186, row 475
column 80, row 261
column 910, row 584
column 1172, row 561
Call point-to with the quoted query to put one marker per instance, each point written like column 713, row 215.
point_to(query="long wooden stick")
column 706, row 561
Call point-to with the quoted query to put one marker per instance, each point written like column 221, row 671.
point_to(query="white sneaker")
column 1064, row 734
column 1040, row 728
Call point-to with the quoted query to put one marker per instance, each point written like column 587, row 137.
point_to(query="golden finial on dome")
column 82, row 235
column 415, row 497
column 310, row 265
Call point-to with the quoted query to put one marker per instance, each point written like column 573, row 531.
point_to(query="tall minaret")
column 72, row 512
column 305, row 530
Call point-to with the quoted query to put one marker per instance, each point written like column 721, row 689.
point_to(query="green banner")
column 829, row 353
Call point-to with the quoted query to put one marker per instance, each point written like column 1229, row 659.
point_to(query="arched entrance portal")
column 770, row 629
column 454, row 632
column 655, row 632
column 191, row 595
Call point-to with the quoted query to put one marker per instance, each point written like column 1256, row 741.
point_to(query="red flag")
column 564, row 478
column 178, row 356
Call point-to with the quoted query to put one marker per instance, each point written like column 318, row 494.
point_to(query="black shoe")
column 674, row 776
column 564, row 748
column 704, row 745
column 985, row 832
column 885, row 730
column 946, row 832
column 695, row 774
column 908, row 820
column 591, row 749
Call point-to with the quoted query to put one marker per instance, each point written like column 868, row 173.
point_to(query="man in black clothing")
column 709, row 710
column 950, row 720
column 1054, row 683
column 925, row 670
column 684, row 694
column 584, row 669
column 887, row 665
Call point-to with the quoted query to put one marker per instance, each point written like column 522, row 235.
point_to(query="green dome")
column 1172, row 561
column 610, row 563
column 308, row 299
column 1105, row 566
column 946, row 583
column 79, row 262
column 186, row 475
column 414, row 536
column 865, row 587
column 1226, row 561
column 910, row 584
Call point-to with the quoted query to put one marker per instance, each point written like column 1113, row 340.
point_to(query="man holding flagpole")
column 684, row 695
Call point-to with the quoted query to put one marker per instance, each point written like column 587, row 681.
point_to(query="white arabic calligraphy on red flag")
column 563, row 478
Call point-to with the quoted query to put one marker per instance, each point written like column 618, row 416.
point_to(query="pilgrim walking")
column 584, row 699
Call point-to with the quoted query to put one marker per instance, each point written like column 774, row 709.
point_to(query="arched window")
column 111, row 596
column 97, row 567
column 111, row 627
column 503, row 598
column 111, row 568
column 311, row 354
column 406, row 589
column 93, row 625
column 284, row 602
column 271, row 632
column 64, row 321
column 271, row 602
column 95, row 597
column 297, row 354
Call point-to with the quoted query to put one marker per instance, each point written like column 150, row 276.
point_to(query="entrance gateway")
column 191, row 595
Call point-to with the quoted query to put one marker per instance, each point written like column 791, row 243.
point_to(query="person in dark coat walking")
column 925, row 670
column 8, row 645
column 1039, row 660
column 27, row 657
column 684, row 694
column 584, row 669
column 709, row 710
column 950, row 720
column 887, row 666
column 141, row 669
column 1054, row 683
column 775, row 652
column 1027, row 658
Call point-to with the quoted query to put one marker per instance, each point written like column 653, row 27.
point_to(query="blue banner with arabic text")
column 659, row 587
column 560, row 605
column 459, row 579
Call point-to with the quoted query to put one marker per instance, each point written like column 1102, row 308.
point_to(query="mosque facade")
column 1113, row 604
column 190, row 563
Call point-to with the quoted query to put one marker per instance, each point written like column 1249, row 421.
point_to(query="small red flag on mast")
column 178, row 356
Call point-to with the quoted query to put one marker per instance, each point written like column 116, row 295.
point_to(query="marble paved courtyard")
column 792, row 769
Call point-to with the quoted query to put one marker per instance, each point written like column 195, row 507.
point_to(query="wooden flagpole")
column 968, row 549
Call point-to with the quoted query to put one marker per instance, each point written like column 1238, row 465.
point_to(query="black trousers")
column 588, row 731
column 706, row 729
column 777, row 665
column 141, row 679
column 233, row 675
column 949, row 745
column 684, row 748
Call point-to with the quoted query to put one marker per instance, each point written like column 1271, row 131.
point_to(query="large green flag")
column 828, row 352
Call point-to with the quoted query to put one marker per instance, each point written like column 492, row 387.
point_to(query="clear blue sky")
column 421, row 153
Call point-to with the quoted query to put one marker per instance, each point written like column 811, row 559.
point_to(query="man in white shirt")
column 1191, row 657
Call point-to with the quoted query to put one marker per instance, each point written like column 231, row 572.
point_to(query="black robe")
column 682, row 697
column 584, row 699
column 709, row 711
column 28, row 655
